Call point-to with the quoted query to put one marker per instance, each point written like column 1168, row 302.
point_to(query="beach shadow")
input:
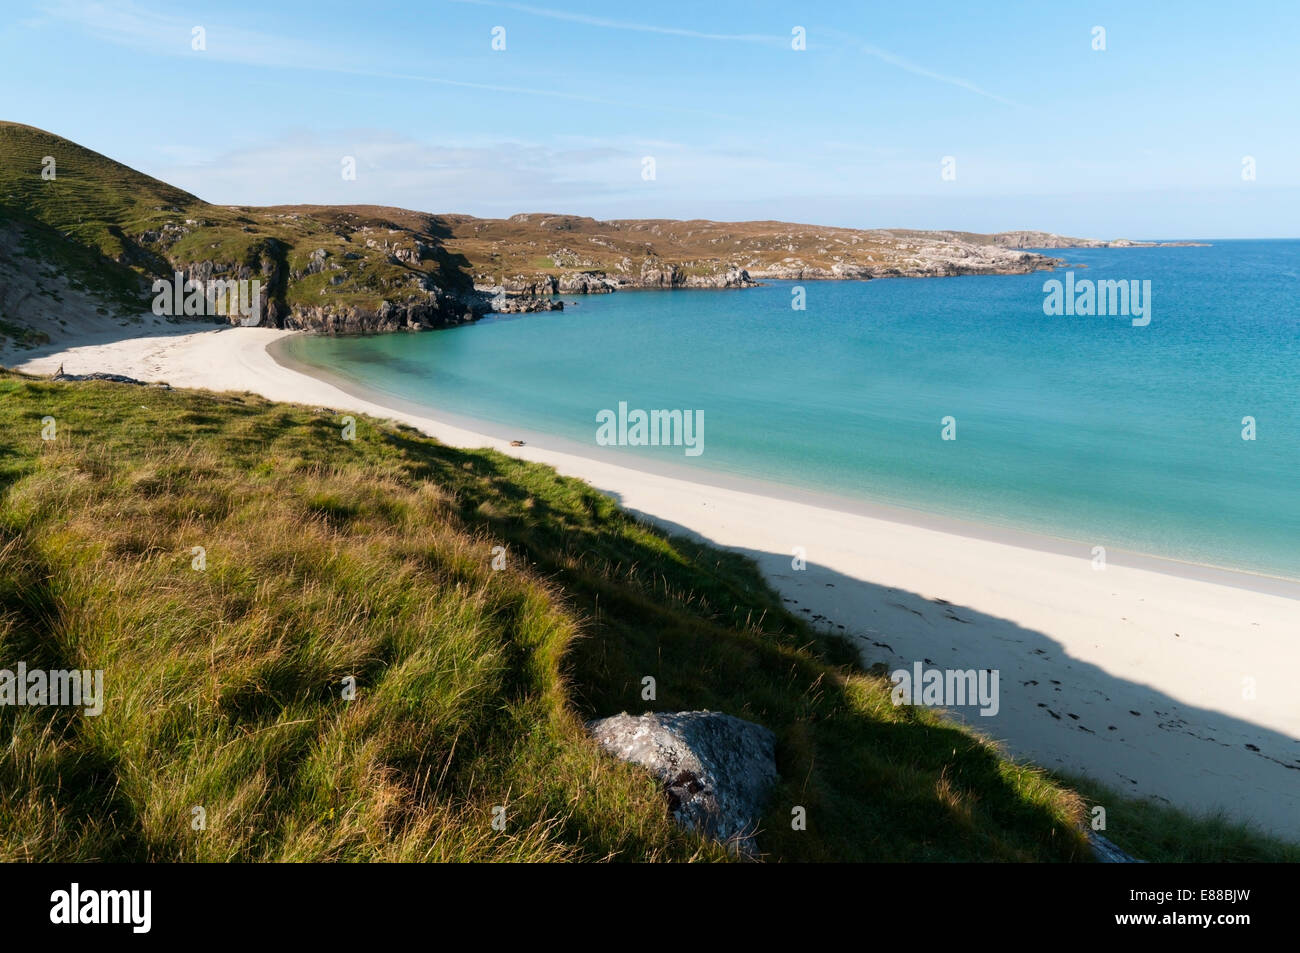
column 144, row 326
column 1055, row 710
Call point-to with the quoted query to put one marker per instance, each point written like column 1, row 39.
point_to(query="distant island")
column 104, row 232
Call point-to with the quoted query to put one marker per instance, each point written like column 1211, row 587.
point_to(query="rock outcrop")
column 101, row 376
column 922, row 259
column 416, row 313
column 717, row 770
column 587, row 283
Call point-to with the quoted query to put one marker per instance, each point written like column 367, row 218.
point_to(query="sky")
column 981, row 117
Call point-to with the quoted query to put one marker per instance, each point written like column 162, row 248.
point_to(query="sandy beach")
column 1158, row 679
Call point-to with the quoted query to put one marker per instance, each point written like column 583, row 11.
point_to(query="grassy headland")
column 372, row 558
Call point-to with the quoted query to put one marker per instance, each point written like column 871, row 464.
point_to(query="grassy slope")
column 327, row 558
column 92, row 198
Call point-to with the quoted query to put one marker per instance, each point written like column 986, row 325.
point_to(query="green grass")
column 43, row 250
column 327, row 558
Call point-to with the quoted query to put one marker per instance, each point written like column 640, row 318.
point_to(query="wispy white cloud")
column 904, row 64
column 491, row 177
column 128, row 24
column 519, row 91
column 884, row 56
column 588, row 20
column 497, row 177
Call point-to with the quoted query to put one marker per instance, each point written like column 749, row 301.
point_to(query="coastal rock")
column 1030, row 239
column 732, row 277
column 497, row 300
column 657, row 274
column 716, row 769
column 585, row 283
column 524, row 304
column 100, row 376
column 416, row 313
column 531, row 285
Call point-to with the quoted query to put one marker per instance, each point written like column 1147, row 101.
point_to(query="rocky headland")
column 88, row 247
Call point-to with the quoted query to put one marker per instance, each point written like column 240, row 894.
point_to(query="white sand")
column 1134, row 675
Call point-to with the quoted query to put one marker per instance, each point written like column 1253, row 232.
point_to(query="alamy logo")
column 655, row 428
column 224, row 297
column 134, row 907
column 37, row 687
column 1127, row 298
column 946, row 688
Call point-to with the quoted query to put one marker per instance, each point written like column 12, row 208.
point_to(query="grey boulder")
column 717, row 770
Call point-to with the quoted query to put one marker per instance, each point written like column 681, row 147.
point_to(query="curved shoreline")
column 488, row 430
column 1132, row 675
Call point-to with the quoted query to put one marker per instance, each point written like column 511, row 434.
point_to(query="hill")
column 84, row 235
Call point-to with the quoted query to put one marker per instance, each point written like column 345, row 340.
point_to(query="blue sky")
column 1143, row 139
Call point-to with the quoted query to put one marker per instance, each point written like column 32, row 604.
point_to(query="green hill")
column 92, row 199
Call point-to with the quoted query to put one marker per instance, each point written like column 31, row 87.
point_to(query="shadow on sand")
column 1055, row 710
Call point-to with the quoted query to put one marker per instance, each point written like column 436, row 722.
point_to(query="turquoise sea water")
column 1081, row 427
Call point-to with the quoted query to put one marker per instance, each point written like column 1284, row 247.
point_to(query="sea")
column 1174, row 432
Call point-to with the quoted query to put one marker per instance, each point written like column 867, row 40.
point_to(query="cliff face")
column 675, row 276
column 653, row 274
column 413, row 314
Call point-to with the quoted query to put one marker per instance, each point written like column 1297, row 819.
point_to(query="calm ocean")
column 1082, row 427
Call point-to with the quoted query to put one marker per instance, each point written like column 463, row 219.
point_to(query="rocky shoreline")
column 519, row 294
column 525, row 294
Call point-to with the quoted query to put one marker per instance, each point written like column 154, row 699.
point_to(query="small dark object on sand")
column 516, row 443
